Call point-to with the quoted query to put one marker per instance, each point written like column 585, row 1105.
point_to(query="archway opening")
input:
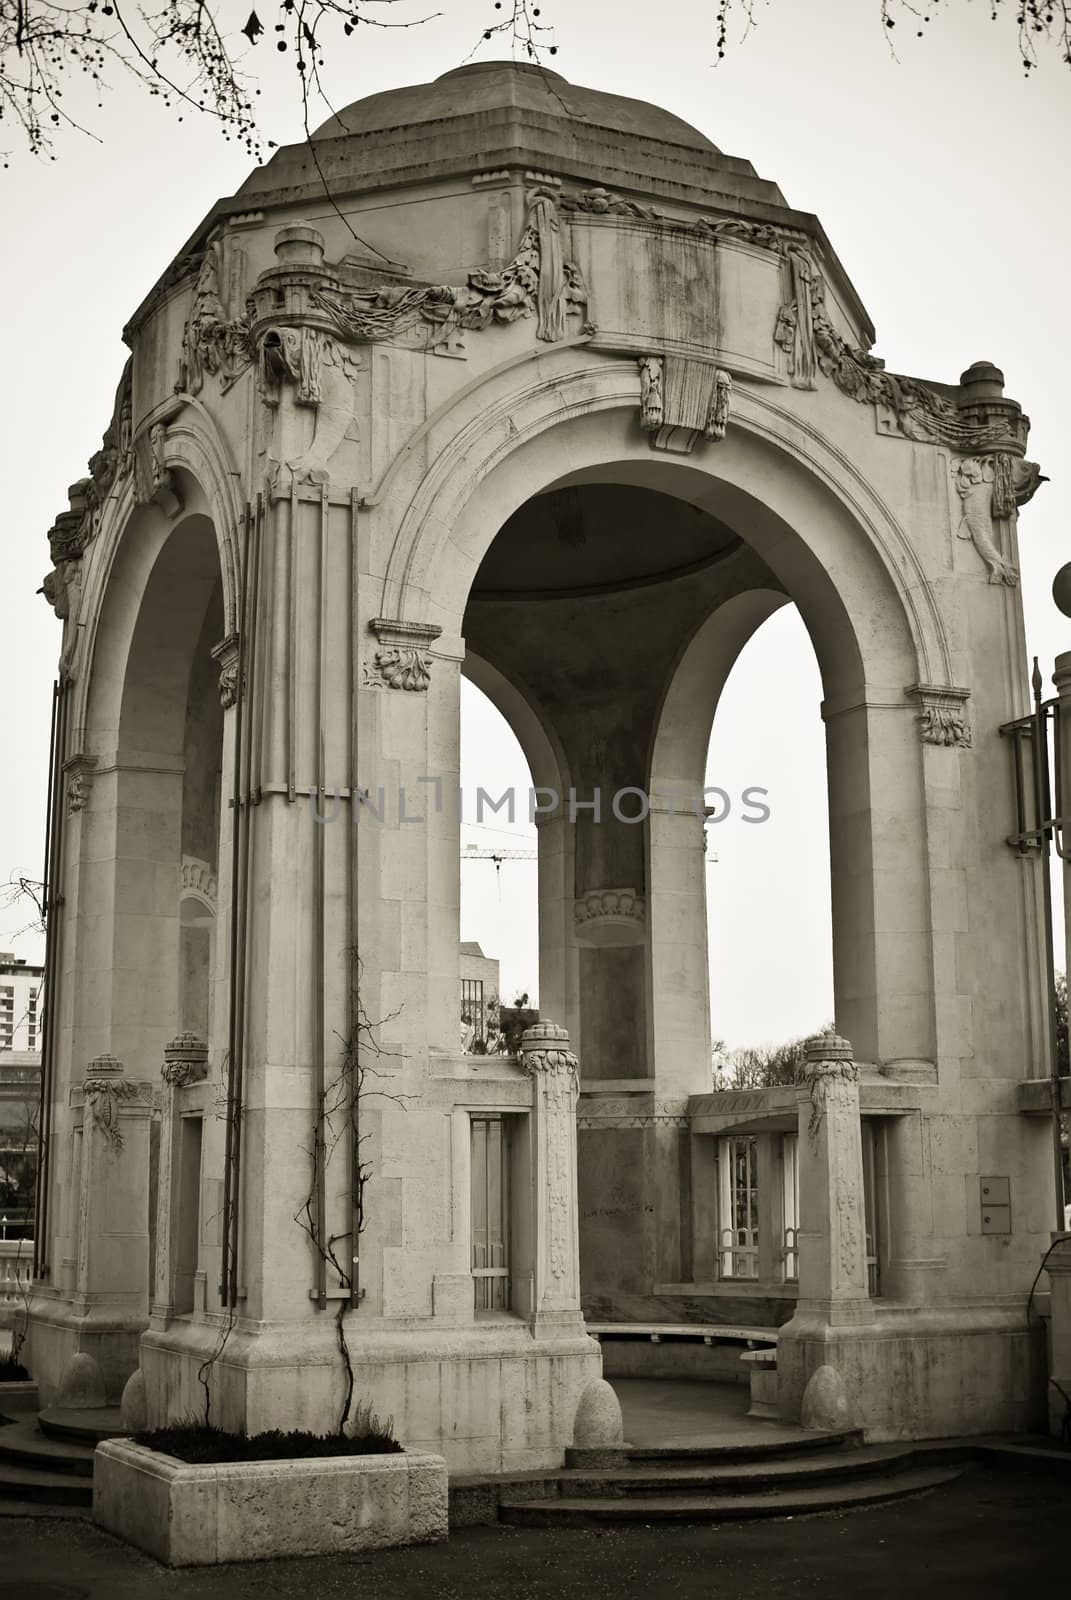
column 769, row 914
column 168, row 767
column 499, row 881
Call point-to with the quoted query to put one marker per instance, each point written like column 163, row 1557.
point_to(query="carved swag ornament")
column 537, row 282
column 105, row 1089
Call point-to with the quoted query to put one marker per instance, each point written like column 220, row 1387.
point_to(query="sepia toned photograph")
column 535, row 857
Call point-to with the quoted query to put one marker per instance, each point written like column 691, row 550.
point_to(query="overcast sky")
column 941, row 179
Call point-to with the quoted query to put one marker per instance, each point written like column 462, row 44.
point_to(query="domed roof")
column 495, row 85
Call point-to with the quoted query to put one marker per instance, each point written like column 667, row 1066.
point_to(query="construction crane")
column 473, row 852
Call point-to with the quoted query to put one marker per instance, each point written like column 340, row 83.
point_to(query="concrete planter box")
column 251, row 1511
column 18, row 1394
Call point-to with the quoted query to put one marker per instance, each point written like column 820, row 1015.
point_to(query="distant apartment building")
column 479, row 987
column 21, row 996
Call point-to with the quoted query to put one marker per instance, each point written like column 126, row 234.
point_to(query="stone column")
column 552, row 1067
column 679, row 1022
column 185, row 1061
column 1059, row 1269
column 832, row 1238
column 111, row 1275
column 834, row 1309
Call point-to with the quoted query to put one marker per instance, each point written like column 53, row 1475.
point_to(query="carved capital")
column 226, row 654
column 942, row 714
column 829, row 1055
column 830, row 1075
column 545, row 1054
column 79, row 771
column 199, row 881
column 185, row 1061
column 682, row 401
column 403, row 660
column 609, row 917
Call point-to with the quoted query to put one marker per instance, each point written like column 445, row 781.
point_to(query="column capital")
column 185, row 1060
column 545, row 1050
column 830, row 1055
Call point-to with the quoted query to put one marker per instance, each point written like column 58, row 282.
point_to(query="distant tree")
column 758, row 1066
column 195, row 55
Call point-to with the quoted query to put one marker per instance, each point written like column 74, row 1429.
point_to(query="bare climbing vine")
column 338, row 1132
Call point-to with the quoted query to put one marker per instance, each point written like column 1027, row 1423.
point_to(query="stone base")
column 252, row 1511
column 18, row 1396
column 490, row 1398
column 922, row 1374
column 56, row 1332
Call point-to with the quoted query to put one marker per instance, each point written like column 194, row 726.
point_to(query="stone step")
column 740, row 1477
column 86, row 1426
column 51, row 1488
column 788, row 1502
column 737, row 1447
column 23, row 1442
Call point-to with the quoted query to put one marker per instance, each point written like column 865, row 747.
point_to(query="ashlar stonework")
column 584, row 411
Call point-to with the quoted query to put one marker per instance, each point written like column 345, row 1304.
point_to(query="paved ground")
column 993, row 1534
column 670, row 1411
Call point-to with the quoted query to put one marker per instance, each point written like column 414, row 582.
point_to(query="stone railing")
column 16, row 1270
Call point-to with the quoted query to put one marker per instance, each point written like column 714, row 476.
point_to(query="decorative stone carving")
column 225, row 654
column 62, row 588
column 651, row 407
column 545, row 1053
column 681, row 401
column 985, row 486
column 609, row 917
column 537, row 282
column 403, row 660
column 757, row 233
column 806, row 331
column 942, row 715
column 76, row 527
column 213, row 343
column 105, row 1089
column 827, row 1063
column 600, row 202
column 630, row 1111
column 185, row 1061
column 199, row 880
column 312, row 362
column 718, row 420
column 795, row 321
column 153, row 481
column 79, row 770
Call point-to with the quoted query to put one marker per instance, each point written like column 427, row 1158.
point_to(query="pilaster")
column 552, row 1067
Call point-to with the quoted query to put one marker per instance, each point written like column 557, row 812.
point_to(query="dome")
column 490, row 86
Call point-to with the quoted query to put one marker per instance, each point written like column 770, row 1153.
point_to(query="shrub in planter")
column 199, row 1445
column 12, row 1371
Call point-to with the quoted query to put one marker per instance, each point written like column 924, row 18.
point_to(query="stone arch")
column 495, row 449
column 839, row 555
column 206, row 481
column 153, row 734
